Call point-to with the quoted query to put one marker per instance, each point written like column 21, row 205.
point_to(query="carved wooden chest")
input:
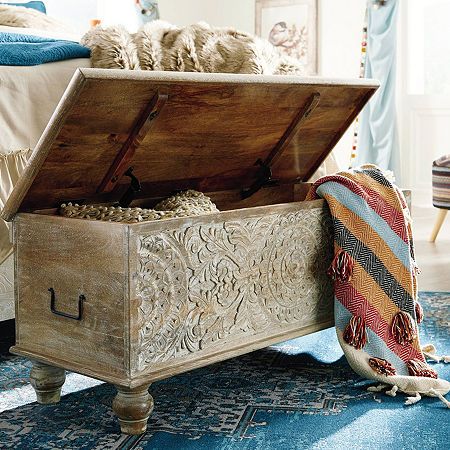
column 134, row 303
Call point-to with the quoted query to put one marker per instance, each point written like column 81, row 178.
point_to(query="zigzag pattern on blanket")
column 159, row 45
column 375, row 280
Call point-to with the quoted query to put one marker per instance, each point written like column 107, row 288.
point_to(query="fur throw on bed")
column 197, row 48
column 19, row 16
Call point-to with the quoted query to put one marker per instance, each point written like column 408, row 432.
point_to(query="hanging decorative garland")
column 148, row 9
column 362, row 70
column 376, row 4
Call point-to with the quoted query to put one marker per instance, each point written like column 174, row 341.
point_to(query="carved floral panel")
column 205, row 283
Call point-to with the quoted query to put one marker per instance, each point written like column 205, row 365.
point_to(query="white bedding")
column 28, row 97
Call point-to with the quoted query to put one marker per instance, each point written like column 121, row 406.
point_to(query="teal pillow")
column 39, row 6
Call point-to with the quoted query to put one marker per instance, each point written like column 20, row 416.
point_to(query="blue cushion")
column 39, row 6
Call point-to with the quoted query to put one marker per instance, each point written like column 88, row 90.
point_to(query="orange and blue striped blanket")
column 374, row 270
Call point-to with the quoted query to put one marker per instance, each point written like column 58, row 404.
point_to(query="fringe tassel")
column 381, row 366
column 413, row 400
column 417, row 368
column 355, row 333
column 378, row 388
column 342, row 267
column 429, row 351
column 440, row 397
column 419, row 312
column 393, row 391
column 403, row 328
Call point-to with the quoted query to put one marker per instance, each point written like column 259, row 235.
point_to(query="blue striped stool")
column 441, row 192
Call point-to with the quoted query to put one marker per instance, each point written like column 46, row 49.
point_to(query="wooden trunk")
column 133, row 303
column 164, row 297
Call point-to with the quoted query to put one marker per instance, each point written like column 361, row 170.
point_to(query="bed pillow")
column 58, row 35
column 17, row 16
column 38, row 6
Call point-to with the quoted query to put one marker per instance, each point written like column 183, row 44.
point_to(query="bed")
column 28, row 97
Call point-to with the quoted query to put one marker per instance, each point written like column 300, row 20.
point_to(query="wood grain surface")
column 74, row 258
column 209, row 135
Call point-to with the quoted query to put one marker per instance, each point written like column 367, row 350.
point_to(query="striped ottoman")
column 441, row 191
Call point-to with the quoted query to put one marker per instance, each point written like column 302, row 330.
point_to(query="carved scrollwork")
column 295, row 268
column 211, row 281
column 162, row 288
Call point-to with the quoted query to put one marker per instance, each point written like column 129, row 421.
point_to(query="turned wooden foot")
column 133, row 408
column 47, row 382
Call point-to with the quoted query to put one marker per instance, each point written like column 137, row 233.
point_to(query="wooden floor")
column 433, row 259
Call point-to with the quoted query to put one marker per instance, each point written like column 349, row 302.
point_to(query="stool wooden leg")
column 47, row 382
column 437, row 226
column 133, row 408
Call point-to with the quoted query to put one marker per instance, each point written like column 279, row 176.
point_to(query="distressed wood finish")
column 7, row 289
column 211, row 282
column 209, row 135
column 174, row 289
column 80, row 258
column 133, row 407
column 124, row 158
column 164, row 297
column 47, row 382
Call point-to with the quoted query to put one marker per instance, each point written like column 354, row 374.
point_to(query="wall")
column 76, row 13
column 237, row 13
column 340, row 34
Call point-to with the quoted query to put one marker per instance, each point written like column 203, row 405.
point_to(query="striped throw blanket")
column 374, row 270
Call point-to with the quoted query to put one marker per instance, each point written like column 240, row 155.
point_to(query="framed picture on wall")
column 291, row 26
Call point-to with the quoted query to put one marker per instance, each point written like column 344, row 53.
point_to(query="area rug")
column 297, row 395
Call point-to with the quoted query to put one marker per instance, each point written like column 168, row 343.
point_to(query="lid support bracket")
column 264, row 174
column 140, row 129
column 134, row 188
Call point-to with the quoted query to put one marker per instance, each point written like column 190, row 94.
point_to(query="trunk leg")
column 133, row 408
column 47, row 382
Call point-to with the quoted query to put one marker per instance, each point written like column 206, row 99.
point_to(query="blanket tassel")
column 378, row 388
column 382, row 367
column 341, row 268
column 403, row 328
column 419, row 312
column 392, row 392
column 431, row 393
column 409, row 400
column 355, row 333
column 417, row 368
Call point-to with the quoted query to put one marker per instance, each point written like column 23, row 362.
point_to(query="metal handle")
column 81, row 300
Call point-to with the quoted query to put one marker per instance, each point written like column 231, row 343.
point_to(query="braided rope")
column 184, row 204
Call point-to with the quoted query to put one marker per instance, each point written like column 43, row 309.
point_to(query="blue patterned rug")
column 296, row 395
